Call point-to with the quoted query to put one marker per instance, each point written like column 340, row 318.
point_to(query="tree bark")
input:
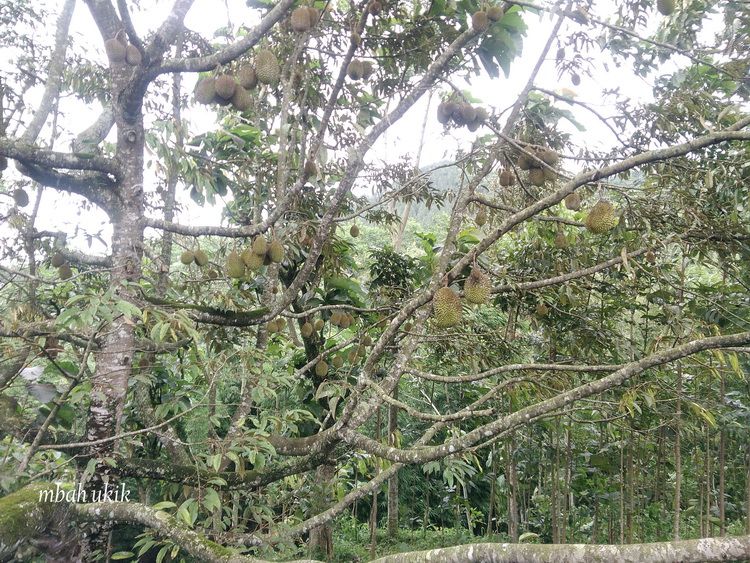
column 393, row 481
column 677, row 457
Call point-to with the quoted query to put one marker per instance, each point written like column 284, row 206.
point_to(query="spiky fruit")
column 246, row 77
column 495, row 13
column 205, row 90
column 133, row 55
column 548, row 156
column 201, row 258
column 362, row 351
column 482, row 115
column 273, row 326
column 354, row 231
column 375, row 7
column 336, row 318
column 225, row 86
column 575, row 79
column 276, row 251
column 561, row 241
column 57, row 260
column 446, row 307
column 573, row 201
column 549, row 174
column 355, row 70
column 260, row 246
column 536, row 176
column 356, row 38
column 338, row 361
column 187, row 257
column 346, row 320
column 319, row 324
column 267, row 67
column 241, row 100
column 407, row 327
column 311, row 169
column 300, row 19
column 443, row 113
column 524, row 162
column 351, row 357
column 367, row 69
column 481, row 218
column 321, row 368
column 468, row 113
column 477, row 287
column 650, row 257
column 602, row 217
column 20, row 197
column 506, row 178
column 235, row 266
column 314, row 15
column 473, row 125
column 366, row 340
column 665, row 7
column 541, row 309
column 479, row 21
column 65, row 272
column 306, row 330
column 116, row 51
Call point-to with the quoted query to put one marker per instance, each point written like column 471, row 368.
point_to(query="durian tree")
column 227, row 373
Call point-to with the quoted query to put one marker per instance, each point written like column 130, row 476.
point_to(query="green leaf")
column 122, row 555
column 163, row 504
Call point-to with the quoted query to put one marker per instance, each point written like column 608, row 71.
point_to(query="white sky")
column 59, row 211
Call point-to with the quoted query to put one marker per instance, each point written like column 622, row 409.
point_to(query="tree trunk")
column 722, row 473
column 512, row 491
column 393, row 481
column 321, row 537
column 677, row 456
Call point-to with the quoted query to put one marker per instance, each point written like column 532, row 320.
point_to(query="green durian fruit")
column 267, row 67
column 446, row 307
column 321, row 368
column 260, row 246
column 602, row 217
column 57, row 260
column 306, row 330
column 235, row 266
column 246, row 77
column 276, row 251
column 201, row 258
column 319, row 324
column 187, row 257
column 65, row 272
column 477, row 287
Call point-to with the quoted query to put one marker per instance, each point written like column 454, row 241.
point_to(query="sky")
column 59, row 212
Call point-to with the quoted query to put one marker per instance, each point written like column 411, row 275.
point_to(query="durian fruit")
column 375, row 7
column 65, row 272
column 116, row 50
column 267, row 67
column 235, row 266
column 246, row 77
column 354, row 231
column 367, row 69
column 311, row 169
column 481, row 218
column 473, row 125
column 205, row 90
column 602, row 217
column 321, row 368
column 446, row 307
column 541, row 309
column 366, row 340
column 338, row 361
column 319, row 324
column 314, row 15
column 482, row 115
column 200, row 257
column 355, row 70
column 300, row 19
column 479, row 21
column 506, row 178
column 20, row 197
column 241, row 100
column 133, row 55
column 444, row 115
column 549, row 174
column 57, row 260
column 352, row 356
column 336, row 318
column 477, row 287
column 665, row 7
column 650, row 257
column 548, row 156
column 346, row 320
column 187, row 257
column 276, row 251
column 362, row 351
column 575, row 79
column 573, row 201
column 408, row 327
column 260, row 246
column 536, row 176
column 274, row 326
column 306, row 330
column 495, row 13
column 561, row 241
column 524, row 162
column 225, row 86
column 356, row 37
column 468, row 113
